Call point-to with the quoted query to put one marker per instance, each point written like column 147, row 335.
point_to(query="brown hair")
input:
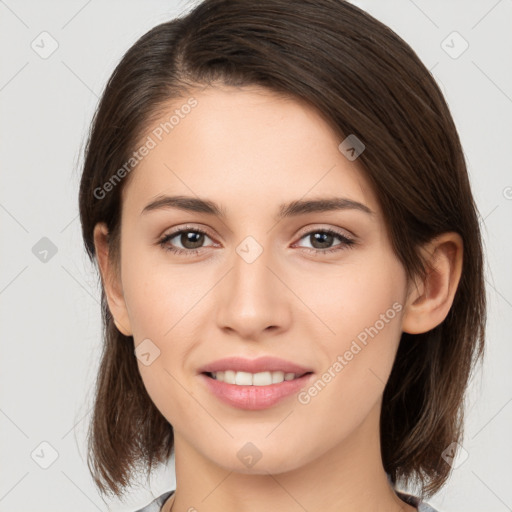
column 364, row 80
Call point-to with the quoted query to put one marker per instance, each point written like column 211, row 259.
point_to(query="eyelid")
column 303, row 232
column 346, row 237
column 319, row 227
column 186, row 227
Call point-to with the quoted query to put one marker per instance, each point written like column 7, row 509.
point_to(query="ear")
column 429, row 300
column 111, row 281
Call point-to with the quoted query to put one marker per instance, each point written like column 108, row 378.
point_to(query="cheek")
column 352, row 298
column 362, row 307
column 157, row 296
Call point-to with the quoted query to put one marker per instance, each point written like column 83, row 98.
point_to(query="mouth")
column 265, row 378
column 254, row 391
column 254, row 384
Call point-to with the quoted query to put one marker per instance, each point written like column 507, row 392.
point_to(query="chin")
column 255, row 459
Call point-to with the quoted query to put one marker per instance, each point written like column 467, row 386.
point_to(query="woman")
column 291, row 263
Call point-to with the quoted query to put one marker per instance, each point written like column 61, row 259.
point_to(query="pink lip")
column 261, row 364
column 254, row 397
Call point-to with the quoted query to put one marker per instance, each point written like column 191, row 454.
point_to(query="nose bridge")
column 251, row 275
column 252, row 297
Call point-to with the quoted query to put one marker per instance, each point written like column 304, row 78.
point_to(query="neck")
column 348, row 478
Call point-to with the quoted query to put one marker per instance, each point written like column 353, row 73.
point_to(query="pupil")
column 187, row 240
column 318, row 239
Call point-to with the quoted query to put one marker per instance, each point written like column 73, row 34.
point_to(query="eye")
column 322, row 239
column 190, row 239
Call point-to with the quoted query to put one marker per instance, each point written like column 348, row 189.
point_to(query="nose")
column 253, row 301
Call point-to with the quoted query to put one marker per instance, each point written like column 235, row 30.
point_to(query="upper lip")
column 260, row 364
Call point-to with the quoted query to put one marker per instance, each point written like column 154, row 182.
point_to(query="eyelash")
column 346, row 242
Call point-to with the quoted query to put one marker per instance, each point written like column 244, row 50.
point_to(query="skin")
column 250, row 150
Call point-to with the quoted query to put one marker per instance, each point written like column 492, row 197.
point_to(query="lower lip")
column 254, row 398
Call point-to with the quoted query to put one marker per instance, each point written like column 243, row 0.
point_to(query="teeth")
column 252, row 379
column 242, row 378
column 278, row 377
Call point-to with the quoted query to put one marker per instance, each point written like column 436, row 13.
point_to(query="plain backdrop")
column 56, row 58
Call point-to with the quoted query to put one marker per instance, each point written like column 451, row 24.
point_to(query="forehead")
column 243, row 146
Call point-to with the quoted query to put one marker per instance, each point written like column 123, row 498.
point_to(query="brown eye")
column 321, row 241
column 191, row 241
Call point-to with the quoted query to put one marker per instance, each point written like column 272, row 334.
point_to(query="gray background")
column 49, row 309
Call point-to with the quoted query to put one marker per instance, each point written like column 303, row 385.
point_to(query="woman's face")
column 265, row 280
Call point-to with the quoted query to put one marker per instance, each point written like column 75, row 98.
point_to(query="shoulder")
column 157, row 503
column 415, row 502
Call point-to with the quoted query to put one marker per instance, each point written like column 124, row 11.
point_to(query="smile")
column 253, row 379
column 254, row 391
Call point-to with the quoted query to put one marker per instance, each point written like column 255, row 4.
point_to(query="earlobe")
column 110, row 280
column 430, row 299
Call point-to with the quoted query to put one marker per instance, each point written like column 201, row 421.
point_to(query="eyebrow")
column 292, row 209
